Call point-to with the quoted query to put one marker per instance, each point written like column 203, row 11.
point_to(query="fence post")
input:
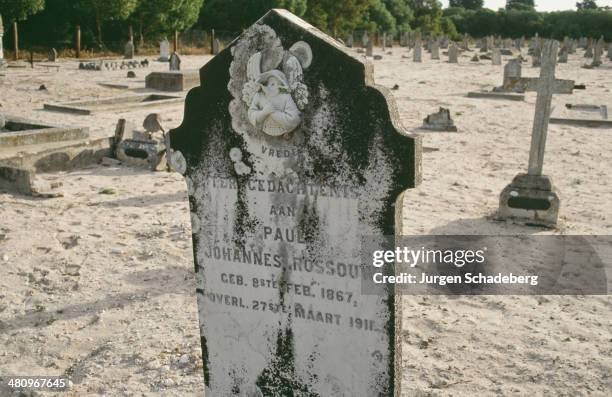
column 78, row 41
column 15, row 41
column 212, row 41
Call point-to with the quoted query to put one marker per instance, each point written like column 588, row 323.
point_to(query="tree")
column 378, row 17
column 165, row 16
column 235, row 15
column 105, row 10
column 587, row 5
column 402, row 12
column 428, row 16
column 467, row 4
column 334, row 15
column 18, row 10
column 524, row 5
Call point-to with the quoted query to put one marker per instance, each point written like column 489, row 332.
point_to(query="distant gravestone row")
column 113, row 65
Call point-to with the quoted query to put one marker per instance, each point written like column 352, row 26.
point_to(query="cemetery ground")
column 98, row 284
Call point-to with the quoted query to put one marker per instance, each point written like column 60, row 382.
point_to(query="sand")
column 100, row 287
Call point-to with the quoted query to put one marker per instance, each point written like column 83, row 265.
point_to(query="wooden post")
column 175, row 43
column 212, row 41
column 15, row 41
column 78, row 41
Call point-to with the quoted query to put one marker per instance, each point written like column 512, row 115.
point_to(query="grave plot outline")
column 368, row 147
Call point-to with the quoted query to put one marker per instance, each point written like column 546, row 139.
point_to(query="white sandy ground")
column 101, row 287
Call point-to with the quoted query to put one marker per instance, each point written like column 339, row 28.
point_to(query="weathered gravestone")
column 216, row 46
column 369, row 49
column 52, row 55
column 128, row 52
column 453, row 54
column 417, row 55
column 291, row 154
column 349, row 40
column 563, row 54
column 164, row 51
column 531, row 197
column 365, row 39
column 175, row 61
column 435, row 50
column 496, row 57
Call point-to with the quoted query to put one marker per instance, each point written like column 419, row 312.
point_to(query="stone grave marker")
column 589, row 50
column 365, row 39
column 349, row 40
column 384, row 41
column 563, row 54
column 417, row 55
column 369, row 49
column 496, row 56
column 164, row 51
column 609, row 51
column 288, row 163
column 175, row 61
column 128, row 52
column 216, row 46
column 453, row 54
column 52, row 55
column 531, row 197
column 435, row 50
column 536, row 57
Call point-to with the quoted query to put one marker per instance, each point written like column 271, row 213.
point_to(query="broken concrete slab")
column 18, row 131
column 123, row 102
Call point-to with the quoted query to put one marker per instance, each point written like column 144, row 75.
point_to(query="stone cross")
column 164, row 51
column 546, row 88
column 514, row 82
column 453, row 54
column 288, row 165
column 531, row 197
column 418, row 51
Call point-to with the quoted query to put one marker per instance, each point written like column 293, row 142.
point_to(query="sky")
column 541, row 5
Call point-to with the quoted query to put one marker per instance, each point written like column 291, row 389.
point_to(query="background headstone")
column 164, row 51
column 52, row 55
column 435, row 50
column 175, row 61
column 417, row 55
column 275, row 196
column 128, row 52
column 453, row 54
column 496, row 56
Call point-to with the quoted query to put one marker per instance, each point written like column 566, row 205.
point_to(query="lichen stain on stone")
column 279, row 378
